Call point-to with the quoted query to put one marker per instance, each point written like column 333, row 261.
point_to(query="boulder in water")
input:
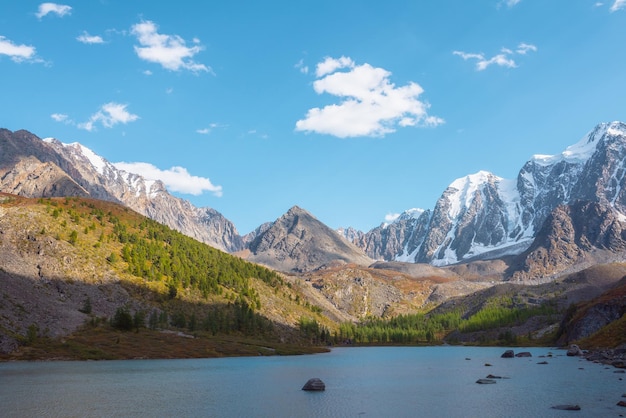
column 508, row 354
column 574, row 350
column 485, row 381
column 524, row 354
column 314, row 384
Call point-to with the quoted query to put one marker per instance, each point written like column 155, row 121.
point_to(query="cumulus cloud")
column 89, row 39
column 370, row 104
column 109, row 115
column 503, row 59
column 17, row 53
column 170, row 51
column 618, row 5
column 176, row 179
column 58, row 9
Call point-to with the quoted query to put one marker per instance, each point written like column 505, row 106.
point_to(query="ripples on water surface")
column 360, row 382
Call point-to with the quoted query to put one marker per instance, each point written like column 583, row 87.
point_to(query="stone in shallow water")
column 508, row 354
column 485, row 381
column 314, row 384
column 567, row 407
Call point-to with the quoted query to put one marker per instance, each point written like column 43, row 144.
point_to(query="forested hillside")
column 74, row 265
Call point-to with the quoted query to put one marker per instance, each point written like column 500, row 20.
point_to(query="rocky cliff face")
column 585, row 319
column 33, row 167
column 298, row 242
column 582, row 233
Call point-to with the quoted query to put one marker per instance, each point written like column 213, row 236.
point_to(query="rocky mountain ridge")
column 485, row 216
column 33, row 167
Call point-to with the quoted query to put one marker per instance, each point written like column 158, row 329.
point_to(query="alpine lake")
column 359, row 382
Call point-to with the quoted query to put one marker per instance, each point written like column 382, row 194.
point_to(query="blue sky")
column 353, row 110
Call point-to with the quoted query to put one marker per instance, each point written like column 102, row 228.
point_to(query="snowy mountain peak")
column 580, row 152
column 462, row 191
column 616, row 129
column 472, row 181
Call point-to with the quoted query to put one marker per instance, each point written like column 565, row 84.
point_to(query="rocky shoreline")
column 615, row 357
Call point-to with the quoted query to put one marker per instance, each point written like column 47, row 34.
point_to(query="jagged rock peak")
column 297, row 210
column 298, row 242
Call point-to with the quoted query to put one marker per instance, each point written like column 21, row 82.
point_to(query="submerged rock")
column 314, row 384
column 524, row 354
column 485, row 381
column 567, row 407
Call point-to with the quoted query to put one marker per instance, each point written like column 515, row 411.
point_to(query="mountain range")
column 580, row 192
column 556, row 235
column 482, row 216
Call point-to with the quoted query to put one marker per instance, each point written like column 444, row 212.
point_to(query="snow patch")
column 96, row 161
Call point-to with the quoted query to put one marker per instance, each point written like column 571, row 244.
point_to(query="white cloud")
column 502, row 60
column 330, row 65
column 58, row 9
column 304, row 69
column 109, row 115
column 89, row 39
column 17, row 53
column 618, row 5
column 176, row 179
column 210, row 128
column 370, row 104
column 509, row 3
column 170, row 51
column 59, row 117
column 523, row 48
column 390, row 217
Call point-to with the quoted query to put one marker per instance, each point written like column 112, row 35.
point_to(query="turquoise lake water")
column 360, row 382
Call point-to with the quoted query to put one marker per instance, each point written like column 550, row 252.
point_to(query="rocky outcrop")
column 31, row 177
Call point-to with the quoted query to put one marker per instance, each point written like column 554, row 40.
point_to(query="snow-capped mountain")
column 75, row 170
column 482, row 215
